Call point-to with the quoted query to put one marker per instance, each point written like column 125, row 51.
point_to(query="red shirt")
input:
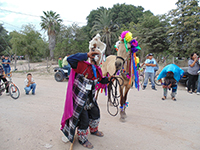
column 86, row 69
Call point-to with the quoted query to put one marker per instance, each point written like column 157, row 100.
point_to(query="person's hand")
column 169, row 86
column 196, row 59
column 109, row 78
column 164, row 86
column 29, row 79
column 92, row 54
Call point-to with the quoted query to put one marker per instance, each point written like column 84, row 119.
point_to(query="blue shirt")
column 150, row 69
column 6, row 61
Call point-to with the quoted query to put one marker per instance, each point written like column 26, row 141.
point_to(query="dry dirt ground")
column 32, row 122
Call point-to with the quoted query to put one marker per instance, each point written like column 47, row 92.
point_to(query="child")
column 171, row 74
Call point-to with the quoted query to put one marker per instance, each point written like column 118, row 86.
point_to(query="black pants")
column 4, row 80
column 192, row 81
column 93, row 113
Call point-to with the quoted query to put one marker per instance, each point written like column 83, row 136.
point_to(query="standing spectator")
column 2, row 77
column 192, row 72
column 198, row 86
column 60, row 61
column 66, row 65
column 29, row 84
column 6, row 65
column 149, row 72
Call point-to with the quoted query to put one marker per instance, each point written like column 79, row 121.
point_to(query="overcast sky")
column 70, row 11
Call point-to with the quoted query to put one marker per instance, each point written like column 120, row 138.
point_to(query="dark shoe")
column 163, row 98
column 144, row 87
column 33, row 93
column 27, row 93
column 7, row 91
column 153, row 88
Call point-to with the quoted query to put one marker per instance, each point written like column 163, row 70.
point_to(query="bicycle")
column 141, row 77
column 13, row 89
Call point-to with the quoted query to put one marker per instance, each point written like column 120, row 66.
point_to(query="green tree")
column 51, row 23
column 28, row 42
column 185, row 30
column 152, row 32
column 104, row 25
column 4, row 41
column 125, row 14
column 72, row 39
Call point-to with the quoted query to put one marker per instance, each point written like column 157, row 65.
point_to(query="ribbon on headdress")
column 127, row 38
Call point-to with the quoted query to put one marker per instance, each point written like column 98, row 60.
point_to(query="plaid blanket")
column 80, row 97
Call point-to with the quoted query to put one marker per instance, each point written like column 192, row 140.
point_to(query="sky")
column 70, row 11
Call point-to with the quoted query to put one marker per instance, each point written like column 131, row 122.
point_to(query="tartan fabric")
column 80, row 96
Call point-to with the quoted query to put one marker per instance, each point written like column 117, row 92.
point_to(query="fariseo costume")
column 171, row 74
column 81, row 109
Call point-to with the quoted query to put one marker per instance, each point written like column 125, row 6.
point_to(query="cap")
column 150, row 54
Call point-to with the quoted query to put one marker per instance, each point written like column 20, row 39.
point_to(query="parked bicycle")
column 13, row 89
column 142, row 76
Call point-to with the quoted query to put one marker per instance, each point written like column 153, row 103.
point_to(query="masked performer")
column 81, row 109
column 171, row 74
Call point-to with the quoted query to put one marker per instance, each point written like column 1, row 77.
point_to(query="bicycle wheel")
column 141, row 79
column 14, row 91
column 158, row 83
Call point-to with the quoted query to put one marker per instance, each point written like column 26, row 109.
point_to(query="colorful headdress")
column 127, row 37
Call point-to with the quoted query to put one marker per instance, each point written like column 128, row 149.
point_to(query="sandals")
column 163, row 98
column 190, row 92
column 98, row 133
column 173, row 98
column 88, row 145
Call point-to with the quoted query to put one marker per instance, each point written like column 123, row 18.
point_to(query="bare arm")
column 152, row 65
column 195, row 60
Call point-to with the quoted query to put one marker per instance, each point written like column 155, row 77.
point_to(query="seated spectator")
column 29, row 84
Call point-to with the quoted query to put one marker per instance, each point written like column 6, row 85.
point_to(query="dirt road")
column 32, row 122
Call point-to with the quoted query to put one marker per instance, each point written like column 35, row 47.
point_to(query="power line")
column 10, row 24
column 19, row 13
column 37, row 16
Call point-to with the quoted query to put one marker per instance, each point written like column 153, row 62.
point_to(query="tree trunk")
column 108, row 50
column 29, row 67
column 15, row 62
column 47, row 64
column 52, row 43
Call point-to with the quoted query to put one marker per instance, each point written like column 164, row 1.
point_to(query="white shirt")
column 26, row 81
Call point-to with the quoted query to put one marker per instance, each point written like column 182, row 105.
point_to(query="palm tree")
column 51, row 23
column 105, row 27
